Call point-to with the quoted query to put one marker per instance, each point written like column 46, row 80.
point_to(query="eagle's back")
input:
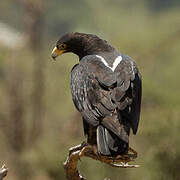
column 108, row 99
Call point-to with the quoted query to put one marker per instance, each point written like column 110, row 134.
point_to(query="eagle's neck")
column 90, row 45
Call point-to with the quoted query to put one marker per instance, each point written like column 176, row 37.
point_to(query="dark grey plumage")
column 108, row 99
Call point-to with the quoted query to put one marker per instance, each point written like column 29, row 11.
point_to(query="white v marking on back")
column 115, row 63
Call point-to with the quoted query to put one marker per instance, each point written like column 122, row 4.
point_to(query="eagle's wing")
column 89, row 83
column 97, row 91
column 129, row 84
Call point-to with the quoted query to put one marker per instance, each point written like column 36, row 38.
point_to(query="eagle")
column 106, row 89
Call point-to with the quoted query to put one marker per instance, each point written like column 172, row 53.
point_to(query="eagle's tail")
column 108, row 143
column 112, row 137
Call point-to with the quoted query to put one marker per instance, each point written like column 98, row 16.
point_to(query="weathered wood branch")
column 3, row 172
column 86, row 150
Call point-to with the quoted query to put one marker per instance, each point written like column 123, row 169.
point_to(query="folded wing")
column 98, row 92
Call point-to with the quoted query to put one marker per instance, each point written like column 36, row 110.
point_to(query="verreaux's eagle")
column 106, row 90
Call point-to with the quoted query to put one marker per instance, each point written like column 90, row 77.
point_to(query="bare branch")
column 86, row 150
column 3, row 172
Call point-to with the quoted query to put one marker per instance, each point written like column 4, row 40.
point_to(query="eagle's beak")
column 56, row 52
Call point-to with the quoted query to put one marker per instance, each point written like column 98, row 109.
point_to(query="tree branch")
column 3, row 172
column 86, row 150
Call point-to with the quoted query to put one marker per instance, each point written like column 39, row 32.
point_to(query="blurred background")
column 38, row 121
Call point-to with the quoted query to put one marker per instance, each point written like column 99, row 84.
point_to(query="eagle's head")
column 80, row 44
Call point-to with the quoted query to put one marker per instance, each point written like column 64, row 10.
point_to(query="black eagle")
column 106, row 90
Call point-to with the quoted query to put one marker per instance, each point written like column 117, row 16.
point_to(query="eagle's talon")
column 75, row 148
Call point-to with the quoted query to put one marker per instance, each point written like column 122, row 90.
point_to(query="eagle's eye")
column 62, row 46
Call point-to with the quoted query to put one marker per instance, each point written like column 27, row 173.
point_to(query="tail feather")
column 101, row 141
column 116, row 125
column 109, row 143
column 115, row 144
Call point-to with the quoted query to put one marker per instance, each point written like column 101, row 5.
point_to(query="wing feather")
column 97, row 91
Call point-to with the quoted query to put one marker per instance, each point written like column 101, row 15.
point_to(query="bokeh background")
column 38, row 121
